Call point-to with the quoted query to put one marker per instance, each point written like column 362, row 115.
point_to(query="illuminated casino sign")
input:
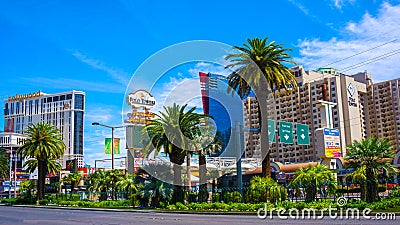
column 20, row 97
column 141, row 98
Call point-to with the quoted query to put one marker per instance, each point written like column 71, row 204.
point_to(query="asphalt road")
column 25, row 215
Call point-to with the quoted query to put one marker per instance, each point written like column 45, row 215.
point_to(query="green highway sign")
column 286, row 132
column 271, row 131
column 303, row 137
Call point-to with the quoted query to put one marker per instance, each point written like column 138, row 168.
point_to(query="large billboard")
column 332, row 143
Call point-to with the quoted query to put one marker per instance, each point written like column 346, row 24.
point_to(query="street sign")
column 286, row 132
column 271, row 131
column 303, row 137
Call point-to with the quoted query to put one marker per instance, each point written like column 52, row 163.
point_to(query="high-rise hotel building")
column 303, row 106
column 64, row 110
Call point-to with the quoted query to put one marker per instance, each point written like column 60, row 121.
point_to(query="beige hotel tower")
column 362, row 109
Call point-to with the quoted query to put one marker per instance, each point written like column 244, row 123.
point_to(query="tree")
column 313, row 178
column 258, row 66
column 4, row 164
column 113, row 176
column 174, row 131
column 262, row 189
column 157, row 191
column 205, row 144
column 44, row 144
column 99, row 182
column 376, row 156
column 358, row 176
column 72, row 179
column 127, row 185
column 27, row 188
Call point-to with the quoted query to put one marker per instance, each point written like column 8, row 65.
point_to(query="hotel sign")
column 351, row 90
column 20, row 97
column 141, row 98
column 332, row 143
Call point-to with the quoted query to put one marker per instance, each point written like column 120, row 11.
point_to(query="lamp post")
column 112, row 139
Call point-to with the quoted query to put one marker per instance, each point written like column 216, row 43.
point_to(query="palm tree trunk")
column 262, row 96
column 371, row 186
column 41, row 179
column 203, row 193
column 178, row 193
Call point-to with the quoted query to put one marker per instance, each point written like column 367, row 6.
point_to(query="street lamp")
column 112, row 139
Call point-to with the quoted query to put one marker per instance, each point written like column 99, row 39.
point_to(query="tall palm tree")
column 44, row 144
column 4, row 164
column 373, row 154
column 314, row 178
column 174, row 131
column 259, row 66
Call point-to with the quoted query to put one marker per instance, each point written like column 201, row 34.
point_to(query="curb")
column 137, row 210
column 397, row 214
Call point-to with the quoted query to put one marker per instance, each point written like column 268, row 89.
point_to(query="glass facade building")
column 226, row 111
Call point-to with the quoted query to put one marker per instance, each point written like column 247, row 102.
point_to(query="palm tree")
column 127, row 185
column 373, row 154
column 4, row 164
column 205, row 144
column 258, row 66
column 99, row 183
column 314, row 178
column 157, row 190
column 44, row 144
column 72, row 179
column 26, row 188
column 113, row 177
column 358, row 176
column 174, row 131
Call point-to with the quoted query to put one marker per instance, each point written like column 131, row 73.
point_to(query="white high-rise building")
column 64, row 110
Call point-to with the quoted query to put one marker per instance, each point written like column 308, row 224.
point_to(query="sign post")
column 303, row 137
column 271, row 131
column 286, row 132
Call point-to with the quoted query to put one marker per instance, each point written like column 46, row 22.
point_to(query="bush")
column 233, row 196
column 192, row 197
column 43, row 202
column 395, row 194
column 216, row 197
column 181, row 206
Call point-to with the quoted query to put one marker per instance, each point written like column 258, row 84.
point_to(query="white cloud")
column 117, row 74
column 359, row 43
column 300, row 6
column 340, row 3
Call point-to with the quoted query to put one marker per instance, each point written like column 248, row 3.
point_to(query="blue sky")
column 96, row 46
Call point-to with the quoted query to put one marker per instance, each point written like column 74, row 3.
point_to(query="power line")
column 359, row 53
column 371, row 60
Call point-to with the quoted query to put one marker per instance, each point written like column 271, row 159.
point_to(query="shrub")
column 181, row 206
column 233, row 196
column 216, row 197
column 192, row 197
column 43, row 202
